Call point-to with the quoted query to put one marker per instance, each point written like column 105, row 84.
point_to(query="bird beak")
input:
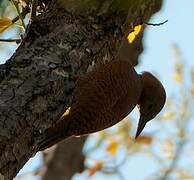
column 141, row 125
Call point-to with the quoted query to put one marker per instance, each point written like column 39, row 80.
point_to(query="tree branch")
column 67, row 159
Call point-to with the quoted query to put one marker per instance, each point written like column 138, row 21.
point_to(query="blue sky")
column 158, row 58
column 158, row 55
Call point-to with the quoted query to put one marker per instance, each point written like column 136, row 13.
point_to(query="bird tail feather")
column 55, row 134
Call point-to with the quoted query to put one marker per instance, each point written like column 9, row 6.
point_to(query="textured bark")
column 35, row 83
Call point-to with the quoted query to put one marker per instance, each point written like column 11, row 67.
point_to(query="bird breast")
column 103, row 97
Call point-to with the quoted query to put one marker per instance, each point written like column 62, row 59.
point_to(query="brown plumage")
column 103, row 97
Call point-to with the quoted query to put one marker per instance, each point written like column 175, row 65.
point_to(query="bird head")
column 151, row 101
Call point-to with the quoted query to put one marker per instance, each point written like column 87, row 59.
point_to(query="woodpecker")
column 105, row 96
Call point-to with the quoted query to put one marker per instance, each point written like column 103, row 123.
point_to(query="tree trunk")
column 35, row 83
column 66, row 160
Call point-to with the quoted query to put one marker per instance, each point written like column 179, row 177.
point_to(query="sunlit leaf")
column 4, row 24
column 112, row 148
column 98, row 167
column 131, row 37
column 137, row 29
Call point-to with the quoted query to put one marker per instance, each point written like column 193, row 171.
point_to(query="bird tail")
column 50, row 141
column 55, row 134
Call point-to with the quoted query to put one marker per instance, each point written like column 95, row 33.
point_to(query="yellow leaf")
column 131, row 37
column 112, row 148
column 144, row 140
column 98, row 167
column 4, row 24
column 137, row 29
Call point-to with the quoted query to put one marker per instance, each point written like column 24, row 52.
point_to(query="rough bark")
column 35, row 83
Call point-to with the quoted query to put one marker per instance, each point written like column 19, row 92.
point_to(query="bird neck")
column 142, row 91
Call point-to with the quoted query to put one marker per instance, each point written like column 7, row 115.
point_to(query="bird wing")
column 102, row 88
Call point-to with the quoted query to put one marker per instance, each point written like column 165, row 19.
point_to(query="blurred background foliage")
column 11, row 26
column 167, row 151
